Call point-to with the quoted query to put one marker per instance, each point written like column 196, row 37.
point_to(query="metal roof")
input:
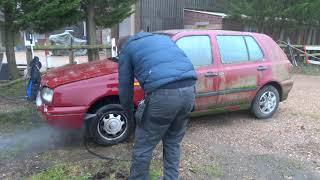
column 223, row 15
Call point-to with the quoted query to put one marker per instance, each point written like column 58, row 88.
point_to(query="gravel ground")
column 226, row 146
column 284, row 147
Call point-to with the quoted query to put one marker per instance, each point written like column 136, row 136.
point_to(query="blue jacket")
column 154, row 60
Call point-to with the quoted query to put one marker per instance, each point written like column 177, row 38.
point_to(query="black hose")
column 14, row 100
column 85, row 144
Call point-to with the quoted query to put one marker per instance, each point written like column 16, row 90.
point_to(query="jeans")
column 164, row 118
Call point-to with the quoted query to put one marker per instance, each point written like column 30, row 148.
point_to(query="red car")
column 236, row 70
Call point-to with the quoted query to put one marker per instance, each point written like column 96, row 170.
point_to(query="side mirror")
column 114, row 49
column 115, row 59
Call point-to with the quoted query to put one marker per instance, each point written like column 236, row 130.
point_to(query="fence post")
column 28, row 54
column 71, row 53
column 1, row 58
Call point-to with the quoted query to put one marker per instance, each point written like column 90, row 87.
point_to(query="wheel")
column 111, row 125
column 266, row 102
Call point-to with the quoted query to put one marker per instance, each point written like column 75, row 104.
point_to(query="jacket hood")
column 136, row 37
column 72, row 73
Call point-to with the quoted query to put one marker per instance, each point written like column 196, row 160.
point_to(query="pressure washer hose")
column 85, row 144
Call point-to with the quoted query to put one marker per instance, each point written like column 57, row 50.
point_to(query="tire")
column 266, row 102
column 111, row 125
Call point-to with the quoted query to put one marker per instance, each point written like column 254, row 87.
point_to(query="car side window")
column 233, row 49
column 197, row 48
column 254, row 49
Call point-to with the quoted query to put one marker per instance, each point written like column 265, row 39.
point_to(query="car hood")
column 72, row 73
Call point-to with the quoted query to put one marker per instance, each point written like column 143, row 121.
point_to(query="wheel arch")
column 102, row 101
column 271, row 83
column 276, row 85
column 253, row 108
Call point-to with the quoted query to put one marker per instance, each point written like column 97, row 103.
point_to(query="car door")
column 199, row 50
column 241, row 59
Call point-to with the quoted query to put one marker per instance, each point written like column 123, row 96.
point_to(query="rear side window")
column 233, row 49
column 254, row 49
column 197, row 48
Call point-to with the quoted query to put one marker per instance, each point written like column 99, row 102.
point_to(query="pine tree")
column 283, row 14
column 104, row 13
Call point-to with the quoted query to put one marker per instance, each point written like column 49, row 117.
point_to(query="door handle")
column 262, row 68
column 211, row 74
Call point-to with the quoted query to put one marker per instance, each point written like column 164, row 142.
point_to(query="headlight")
column 38, row 100
column 47, row 95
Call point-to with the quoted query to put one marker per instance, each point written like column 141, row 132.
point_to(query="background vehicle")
column 236, row 70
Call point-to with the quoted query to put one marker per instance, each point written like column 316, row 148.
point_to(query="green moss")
column 213, row 110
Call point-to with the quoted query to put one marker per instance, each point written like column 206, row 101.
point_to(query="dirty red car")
column 236, row 71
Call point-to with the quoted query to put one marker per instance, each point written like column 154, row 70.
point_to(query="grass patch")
column 212, row 170
column 14, row 90
column 93, row 169
column 155, row 170
column 307, row 69
column 22, row 118
column 61, row 172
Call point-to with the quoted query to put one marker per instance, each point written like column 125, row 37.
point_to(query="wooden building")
column 155, row 15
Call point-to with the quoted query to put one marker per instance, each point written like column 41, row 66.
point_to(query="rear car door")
column 241, row 58
column 199, row 49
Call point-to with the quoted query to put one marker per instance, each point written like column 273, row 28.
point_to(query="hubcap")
column 268, row 102
column 112, row 126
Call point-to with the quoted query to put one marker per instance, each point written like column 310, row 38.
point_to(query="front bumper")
column 62, row 117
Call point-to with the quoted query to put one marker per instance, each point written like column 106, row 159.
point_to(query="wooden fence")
column 296, row 53
column 71, row 49
column 302, row 54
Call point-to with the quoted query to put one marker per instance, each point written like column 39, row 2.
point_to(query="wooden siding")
column 168, row 14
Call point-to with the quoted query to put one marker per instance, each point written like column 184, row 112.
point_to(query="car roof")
column 173, row 32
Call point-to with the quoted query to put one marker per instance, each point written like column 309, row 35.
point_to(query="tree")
column 51, row 15
column 37, row 15
column 283, row 14
column 104, row 13
column 44, row 16
column 47, row 15
column 306, row 14
column 11, row 12
column 259, row 13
